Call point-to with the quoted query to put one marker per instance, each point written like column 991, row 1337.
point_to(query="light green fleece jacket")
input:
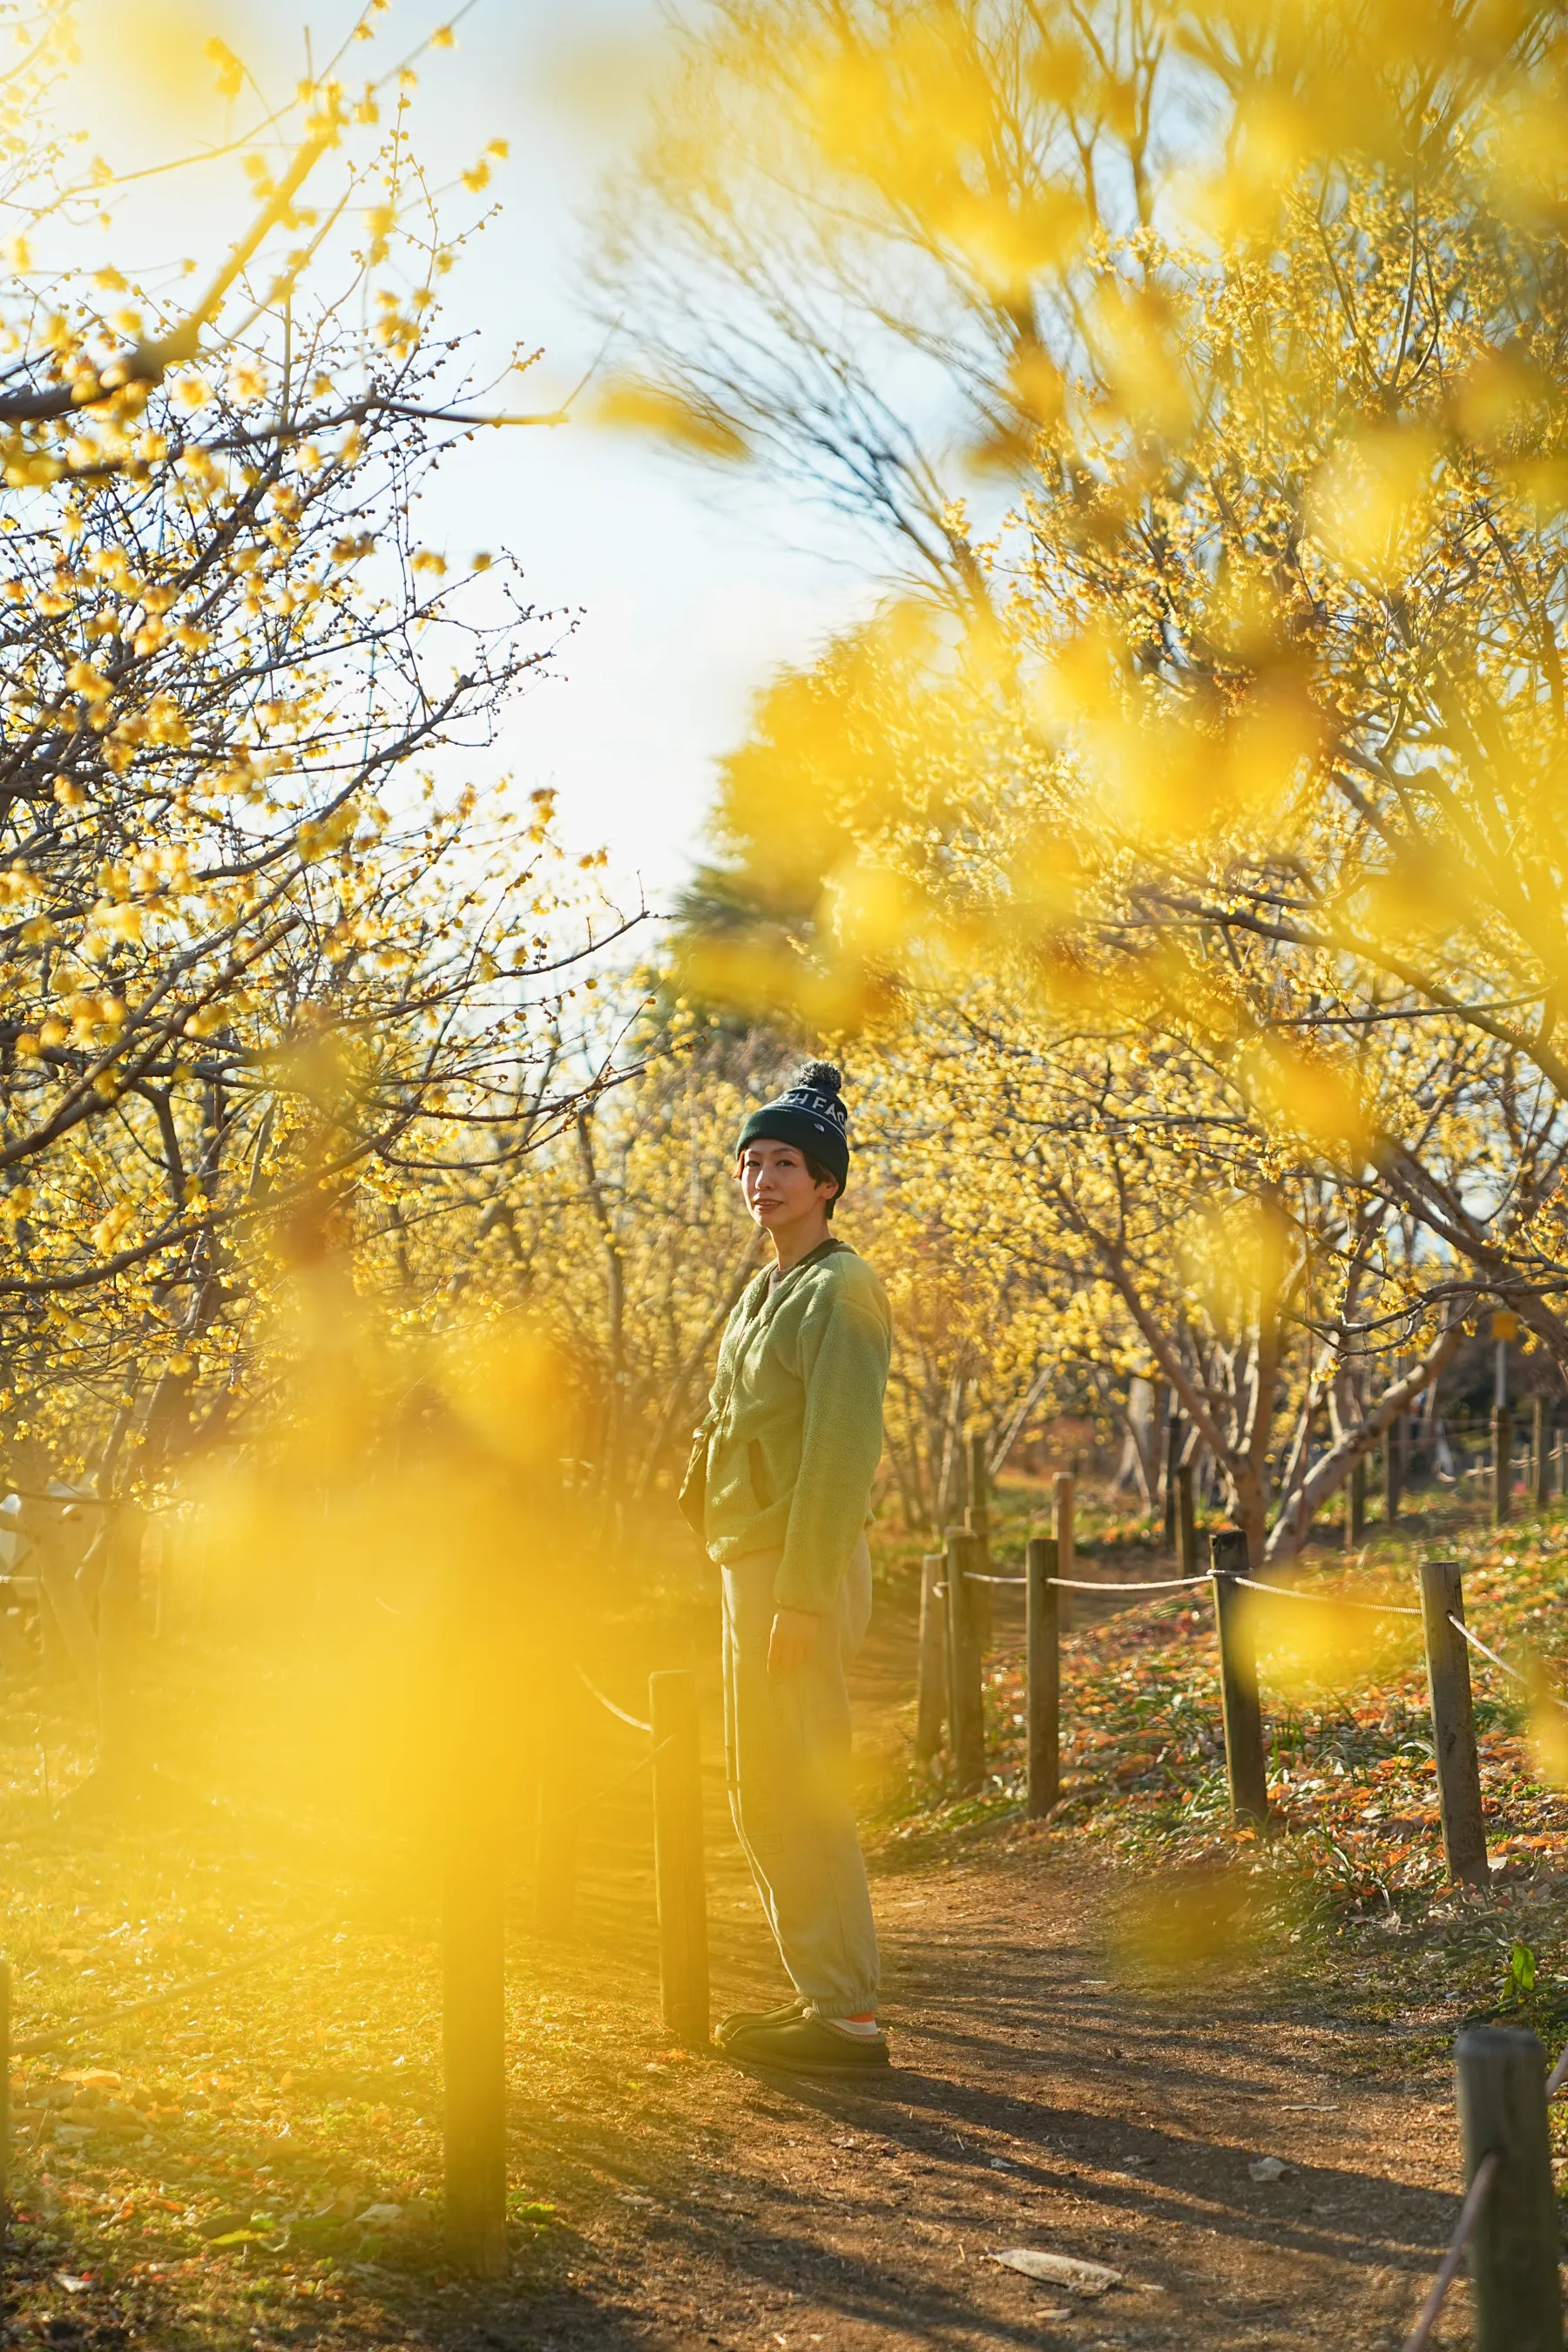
column 795, row 1422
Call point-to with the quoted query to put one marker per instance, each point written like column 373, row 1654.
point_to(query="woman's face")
column 778, row 1187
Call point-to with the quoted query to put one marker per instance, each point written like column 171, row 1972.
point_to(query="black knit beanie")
column 809, row 1114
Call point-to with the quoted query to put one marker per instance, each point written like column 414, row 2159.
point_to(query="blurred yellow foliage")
column 1320, row 1644
column 1186, row 1925
column 1373, row 502
column 1310, row 1095
column 1221, row 801
column 1548, row 1744
column 162, row 54
column 234, row 1056
column 648, row 408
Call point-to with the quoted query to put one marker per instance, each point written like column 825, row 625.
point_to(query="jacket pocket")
column 693, row 1496
column 758, row 1468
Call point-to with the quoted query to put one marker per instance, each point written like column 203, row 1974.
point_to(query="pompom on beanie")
column 810, row 1114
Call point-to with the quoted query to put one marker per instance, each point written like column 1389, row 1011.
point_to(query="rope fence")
column 64, row 2037
column 1503, row 2087
column 1519, row 1455
column 633, row 1721
column 1152, row 1585
column 954, row 1636
column 1504, row 2090
column 473, row 1957
column 1532, row 1683
column 1445, row 1450
column 1329, row 1601
column 1511, row 2235
column 674, row 1755
column 1100, row 1584
column 1464, row 2230
column 600, row 1797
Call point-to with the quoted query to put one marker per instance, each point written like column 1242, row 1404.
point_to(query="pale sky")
column 684, row 609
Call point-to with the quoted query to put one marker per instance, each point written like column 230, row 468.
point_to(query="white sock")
column 863, row 2028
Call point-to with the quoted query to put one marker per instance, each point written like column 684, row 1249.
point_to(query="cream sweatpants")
column 786, row 1745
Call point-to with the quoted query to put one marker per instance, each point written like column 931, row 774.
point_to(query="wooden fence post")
column 954, row 1495
column 119, row 1617
column 16, row 1650
column 964, row 1697
column 1244, row 1759
column 1540, row 1462
column 5, row 2103
column 64, row 1635
column 474, row 2037
column 1503, row 1462
column 979, row 1477
column 1453, row 1723
column 930, row 1686
column 679, row 1871
column 1186, row 1523
column 1355, row 1505
column 1304, row 1515
column 556, row 1843
column 1501, row 2077
column 1043, row 1684
column 1061, row 1529
column 977, row 1519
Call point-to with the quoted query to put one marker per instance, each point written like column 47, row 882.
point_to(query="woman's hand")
column 792, row 1642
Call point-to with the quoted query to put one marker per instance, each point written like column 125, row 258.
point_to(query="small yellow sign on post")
column 1505, row 1324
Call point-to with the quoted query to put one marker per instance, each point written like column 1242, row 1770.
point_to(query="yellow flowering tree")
column 1209, row 369
column 277, row 956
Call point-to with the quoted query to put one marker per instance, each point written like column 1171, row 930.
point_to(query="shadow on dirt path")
column 1033, row 2104
column 660, row 2199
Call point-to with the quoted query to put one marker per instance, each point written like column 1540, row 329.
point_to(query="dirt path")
column 1035, row 2103
column 1032, row 2105
column 660, row 2200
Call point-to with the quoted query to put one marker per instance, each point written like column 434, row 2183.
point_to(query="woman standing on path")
column 782, row 1468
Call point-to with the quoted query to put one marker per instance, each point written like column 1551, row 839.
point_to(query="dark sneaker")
column 742, row 2019
column 805, row 2045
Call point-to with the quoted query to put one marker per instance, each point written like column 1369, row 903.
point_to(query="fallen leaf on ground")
column 1070, row 2271
column 223, row 2225
column 1269, row 2168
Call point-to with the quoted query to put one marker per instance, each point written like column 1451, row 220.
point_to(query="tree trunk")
column 1332, row 1468
column 616, row 1313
